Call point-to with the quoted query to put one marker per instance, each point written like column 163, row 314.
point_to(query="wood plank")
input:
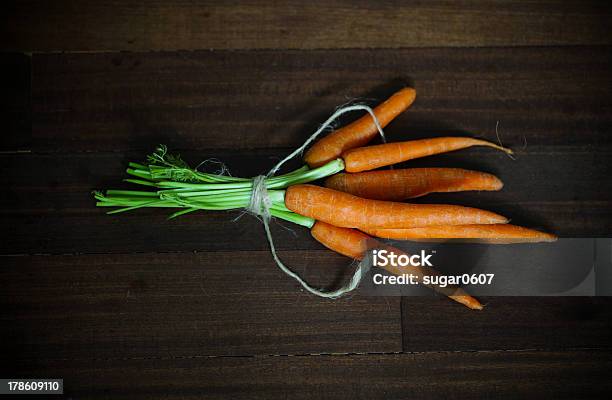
column 453, row 375
column 48, row 207
column 276, row 99
column 15, row 102
column 508, row 323
column 158, row 25
column 185, row 305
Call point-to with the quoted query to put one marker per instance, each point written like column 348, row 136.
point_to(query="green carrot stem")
column 293, row 217
column 137, row 166
column 140, row 182
column 131, row 193
column 182, row 212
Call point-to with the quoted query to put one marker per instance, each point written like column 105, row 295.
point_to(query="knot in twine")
column 260, row 204
column 260, row 201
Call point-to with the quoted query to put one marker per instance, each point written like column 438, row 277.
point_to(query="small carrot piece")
column 492, row 233
column 372, row 157
column 348, row 242
column 359, row 132
column 354, row 244
column 348, row 211
column 402, row 184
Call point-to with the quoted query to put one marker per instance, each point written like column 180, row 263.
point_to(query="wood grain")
column 41, row 26
column 507, row 323
column 445, row 375
column 49, row 208
column 185, row 305
column 141, row 307
column 273, row 99
column 15, row 102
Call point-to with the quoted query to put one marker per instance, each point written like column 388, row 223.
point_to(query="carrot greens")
column 172, row 183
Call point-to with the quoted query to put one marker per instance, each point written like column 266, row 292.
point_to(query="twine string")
column 260, row 204
column 324, row 126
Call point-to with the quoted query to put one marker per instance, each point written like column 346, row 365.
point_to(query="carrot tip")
column 468, row 301
column 473, row 304
column 502, row 148
column 497, row 184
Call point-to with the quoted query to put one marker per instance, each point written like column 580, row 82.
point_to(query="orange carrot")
column 359, row 132
column 402, row 184
column 348, row 211
column 348, row 242
column 354, row 244
column 371, row 157
column 492, row 233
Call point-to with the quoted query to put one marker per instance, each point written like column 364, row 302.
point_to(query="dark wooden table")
column 141, row 307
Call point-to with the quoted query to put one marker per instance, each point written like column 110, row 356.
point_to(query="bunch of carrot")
column 353, row 206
